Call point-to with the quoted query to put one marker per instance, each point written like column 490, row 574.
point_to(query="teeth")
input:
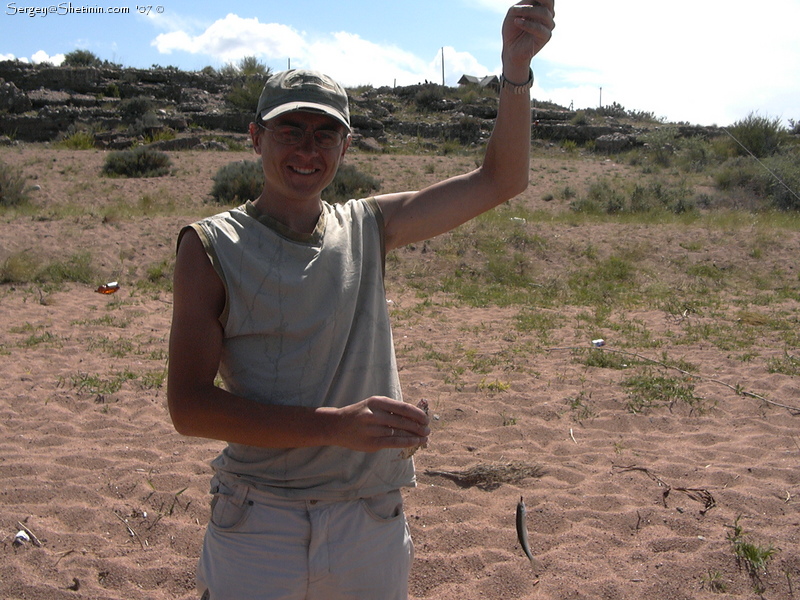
column 303, row 171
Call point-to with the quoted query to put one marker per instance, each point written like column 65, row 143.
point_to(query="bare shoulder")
column 196, row 283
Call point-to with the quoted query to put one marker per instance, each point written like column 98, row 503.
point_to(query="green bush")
column 782, row 182
column 135, row 108
column 250, row 66
column 139, row 162
column 429, row 98
column 238, row 182
column 24, row 267
column 350, row 183
column 608, row 197
column 77, row 140
column 13, row 191
column 775, row 179
column 81, row 58
column 245, row 94
column 760, row 136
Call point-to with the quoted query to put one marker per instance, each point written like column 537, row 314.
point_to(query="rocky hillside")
column 121, row 107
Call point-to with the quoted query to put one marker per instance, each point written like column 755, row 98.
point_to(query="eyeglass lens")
column 291, row 135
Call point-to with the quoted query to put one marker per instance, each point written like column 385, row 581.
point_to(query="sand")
column 620, row 504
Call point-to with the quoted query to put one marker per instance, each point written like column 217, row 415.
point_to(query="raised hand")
column 527, row 28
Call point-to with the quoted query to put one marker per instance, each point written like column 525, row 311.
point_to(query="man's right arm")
column 201, row 409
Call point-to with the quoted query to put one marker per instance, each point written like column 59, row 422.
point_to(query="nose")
column 307, row 144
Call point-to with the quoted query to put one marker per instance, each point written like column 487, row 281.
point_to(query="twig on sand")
column 132, row 533
column 795, row 410
column 34, row 540
column 698, row 494
column 489, row 477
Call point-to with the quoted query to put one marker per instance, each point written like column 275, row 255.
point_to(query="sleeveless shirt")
column 306, row 323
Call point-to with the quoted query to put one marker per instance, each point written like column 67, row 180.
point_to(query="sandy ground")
column 620, row 504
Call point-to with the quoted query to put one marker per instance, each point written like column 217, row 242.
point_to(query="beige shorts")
column 263, row 547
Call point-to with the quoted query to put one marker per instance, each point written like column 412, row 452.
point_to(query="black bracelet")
column 517, row 88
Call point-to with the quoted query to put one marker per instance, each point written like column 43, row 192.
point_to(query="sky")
column 705, row 62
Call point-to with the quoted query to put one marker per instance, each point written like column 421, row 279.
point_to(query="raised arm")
column 201, row 409
column 415, row 216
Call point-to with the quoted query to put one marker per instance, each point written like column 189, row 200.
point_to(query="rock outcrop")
column 40, row 103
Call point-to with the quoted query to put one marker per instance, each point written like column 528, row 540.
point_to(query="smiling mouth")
column 300, row 171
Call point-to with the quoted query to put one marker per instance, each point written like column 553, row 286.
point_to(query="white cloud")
column 354, row 61
column 713, row 62
column 347, row 57
column 233, row 38
column 42, row 57
column 38, row 57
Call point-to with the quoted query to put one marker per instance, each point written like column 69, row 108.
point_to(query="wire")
column 766, row 168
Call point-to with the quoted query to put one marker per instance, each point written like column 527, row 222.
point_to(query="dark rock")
column 12, row 99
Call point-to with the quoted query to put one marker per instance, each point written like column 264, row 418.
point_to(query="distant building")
column 490, row 81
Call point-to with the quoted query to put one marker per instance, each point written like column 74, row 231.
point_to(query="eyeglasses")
column 290, row 135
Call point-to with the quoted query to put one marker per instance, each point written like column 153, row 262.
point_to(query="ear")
column 346, row 144
column 255, row 137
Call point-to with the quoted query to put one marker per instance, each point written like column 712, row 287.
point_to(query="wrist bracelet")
column 517, row 88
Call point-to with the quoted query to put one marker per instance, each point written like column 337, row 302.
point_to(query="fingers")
column 398, row 438
column 547, row 5
column 395, row 413
column 401, row 424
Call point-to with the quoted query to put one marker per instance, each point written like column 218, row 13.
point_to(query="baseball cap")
column 301, row 89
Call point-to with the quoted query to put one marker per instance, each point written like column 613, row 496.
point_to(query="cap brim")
column 304, row 106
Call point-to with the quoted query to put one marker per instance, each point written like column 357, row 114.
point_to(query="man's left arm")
column 415, row 216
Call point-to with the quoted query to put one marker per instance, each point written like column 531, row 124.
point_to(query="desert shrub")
column 139, row 162
column 350, row 183
column 579, row 119
column 24, row 267
column 244, row 95
column 81, row 58
column 617, row 111
column 77, row 140
column 607, row 196
column 238, row 182
column 13, row 191
column 251, row 66
column 695, row 154
column 758, row 135
column 660, row 145
column 660, row 196
column 428, row 98
column 775, row 179
column 782, row 181
column 736, row 172
column 135, row 108
column 111, row 91
column 77, row 267
column 20, row 267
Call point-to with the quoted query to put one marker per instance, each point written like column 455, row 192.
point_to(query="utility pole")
column 442, row 66
column 601, row 97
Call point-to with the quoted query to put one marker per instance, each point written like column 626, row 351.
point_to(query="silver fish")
column 522, row 529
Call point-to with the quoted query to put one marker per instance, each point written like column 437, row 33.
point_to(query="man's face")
column 298, row 167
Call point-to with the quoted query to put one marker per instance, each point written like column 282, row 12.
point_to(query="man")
column 284, row 298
